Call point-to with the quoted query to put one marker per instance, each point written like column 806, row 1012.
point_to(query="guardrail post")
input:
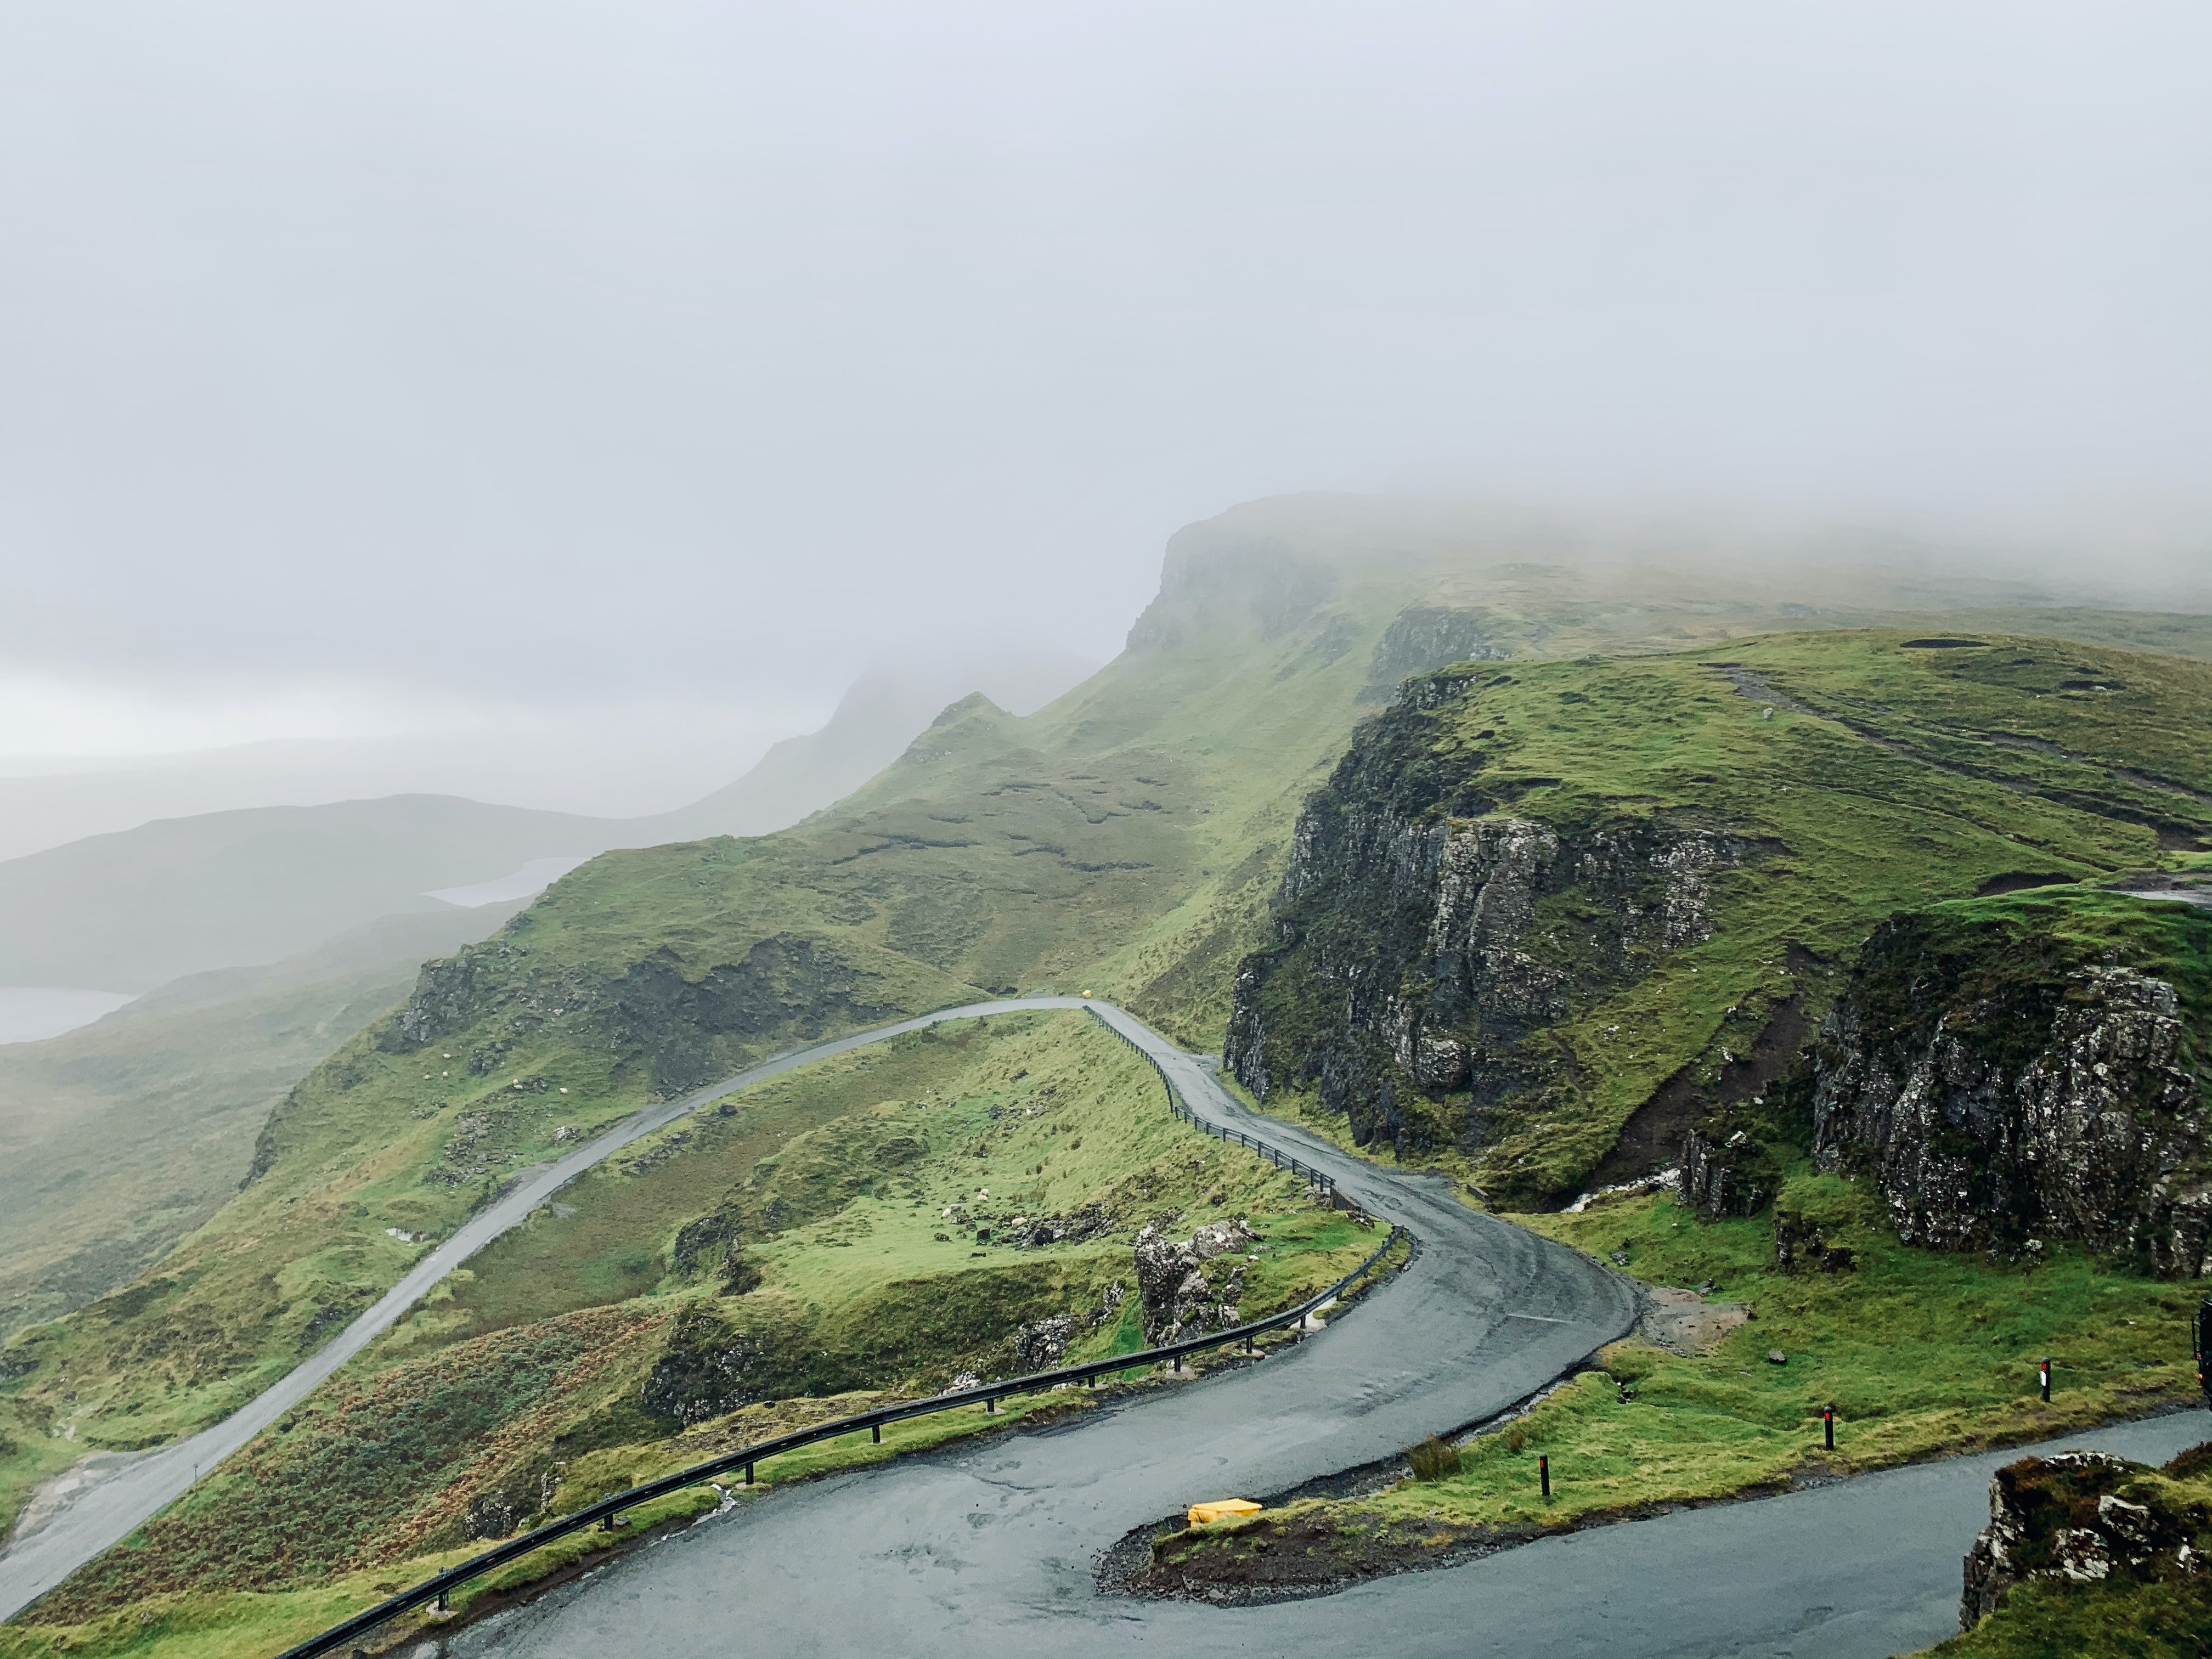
column 443, row 1605
column 748, row 1474
column 877, row 1430
column 991, row 1405
column 1176, row 1364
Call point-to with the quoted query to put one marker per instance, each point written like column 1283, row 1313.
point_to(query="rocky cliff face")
column 1997, row 1090
column 1424, row 934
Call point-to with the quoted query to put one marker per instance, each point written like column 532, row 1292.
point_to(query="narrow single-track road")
column 1503, row 1310
column 987, row 1549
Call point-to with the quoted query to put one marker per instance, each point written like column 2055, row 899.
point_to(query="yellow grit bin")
column 1221, row 1509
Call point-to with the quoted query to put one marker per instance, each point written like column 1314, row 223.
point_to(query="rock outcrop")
column 684, row 1027
column 1040, row 1344
column 1183, row 1288
column 1423, row 638
column 709, row 1368
column 1423, row 936
column 2083, row 1517
column 1734, row 1176
column 1996, row 1088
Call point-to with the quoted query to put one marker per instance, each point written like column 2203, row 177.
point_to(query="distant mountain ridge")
column 129, row 911
column 133, row 908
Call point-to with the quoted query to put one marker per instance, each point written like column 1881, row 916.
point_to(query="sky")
column 382, row 373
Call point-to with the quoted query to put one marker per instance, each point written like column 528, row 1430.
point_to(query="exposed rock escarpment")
column 675, row 1020
column 1996, row 1089
column 1424, row 934
column 1423, row 638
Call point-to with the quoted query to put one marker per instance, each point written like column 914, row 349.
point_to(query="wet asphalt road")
column 990, row 1549
column 118, row 1494
column 987, row 1551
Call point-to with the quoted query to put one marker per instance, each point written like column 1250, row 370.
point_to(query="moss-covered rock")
column 2028, row 1068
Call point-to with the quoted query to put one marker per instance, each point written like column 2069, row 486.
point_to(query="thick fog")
column 376, row 370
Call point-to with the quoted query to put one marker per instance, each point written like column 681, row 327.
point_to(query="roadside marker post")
column 2044, row 1371
column 1544, row 1473
column 1828, row 1426
column 2201, row 1330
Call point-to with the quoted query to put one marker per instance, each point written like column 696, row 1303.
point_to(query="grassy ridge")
column 1128, row 838
column 1848, row 825
column 566, row 1001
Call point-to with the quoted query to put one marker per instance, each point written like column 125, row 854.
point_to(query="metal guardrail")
column 1181, row 1108
column 603, row 1512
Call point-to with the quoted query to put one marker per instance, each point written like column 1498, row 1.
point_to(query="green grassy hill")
column 806, row 1248
column 1128, row 838
column 1693, row 844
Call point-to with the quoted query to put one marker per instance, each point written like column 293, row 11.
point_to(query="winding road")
column 114, row 1496
column 987, row 1549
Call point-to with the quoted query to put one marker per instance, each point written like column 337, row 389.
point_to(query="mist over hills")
column 130, row 909
column 120, row 1137
column 1138, row 836
column 262, row 938
column 183, row 895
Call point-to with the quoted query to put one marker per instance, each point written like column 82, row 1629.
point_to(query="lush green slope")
column 119, row 1137
column 614, row 1337
column 1693, row 845
column 1127, row 838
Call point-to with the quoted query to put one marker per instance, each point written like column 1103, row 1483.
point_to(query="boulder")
column 1040, row 1345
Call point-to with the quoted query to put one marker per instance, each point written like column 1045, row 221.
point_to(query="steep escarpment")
column 1429, row 935
column 1571, row 922
column 2030, row 1068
